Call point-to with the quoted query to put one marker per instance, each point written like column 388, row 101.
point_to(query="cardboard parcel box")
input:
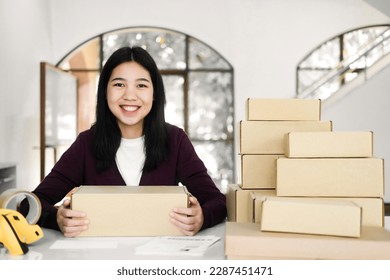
column 258, row 171
column 269, row 137
column 332, row 177
column 256, row 202
column 324, row 144
column 311, row 216
column 246, row 241
column 239, row 203
column 258, row 109
column 129, row 210
column 373, row 212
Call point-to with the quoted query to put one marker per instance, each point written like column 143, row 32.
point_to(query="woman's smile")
column 130, row 108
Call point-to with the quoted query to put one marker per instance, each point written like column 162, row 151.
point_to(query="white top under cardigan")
column 130, row 159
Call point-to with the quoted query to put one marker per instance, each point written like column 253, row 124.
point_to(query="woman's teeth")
column 130, row 108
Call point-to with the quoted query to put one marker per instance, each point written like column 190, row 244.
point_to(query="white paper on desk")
column 177, row 245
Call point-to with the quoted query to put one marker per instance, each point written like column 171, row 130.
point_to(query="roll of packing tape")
column 11, row 198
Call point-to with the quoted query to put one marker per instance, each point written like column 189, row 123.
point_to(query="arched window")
column 339, row 60
column 198, row 83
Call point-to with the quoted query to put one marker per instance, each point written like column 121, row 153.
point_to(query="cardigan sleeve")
column 192, row 173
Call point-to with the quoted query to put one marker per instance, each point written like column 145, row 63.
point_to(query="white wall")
column 24, row 42
column 263, row 39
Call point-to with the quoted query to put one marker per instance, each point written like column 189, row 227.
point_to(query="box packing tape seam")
column 11, row 198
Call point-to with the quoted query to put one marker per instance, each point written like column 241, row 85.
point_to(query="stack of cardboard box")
column 337, row 165
column 262, row 141
column 327, row 186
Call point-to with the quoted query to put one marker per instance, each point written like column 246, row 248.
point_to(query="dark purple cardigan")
column 77, row 167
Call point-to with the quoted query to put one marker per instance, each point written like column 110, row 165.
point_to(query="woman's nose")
column 130, row 94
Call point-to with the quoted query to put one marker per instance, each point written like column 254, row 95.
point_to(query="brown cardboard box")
column 239, row 203
column 258, row 171
column 332, row 177
column 329, row 144
column 246, row 241
column 311, row 216
column 283, row 109
column 129, row 211
column 372, row 208
column 256, row 203
column 268, row 137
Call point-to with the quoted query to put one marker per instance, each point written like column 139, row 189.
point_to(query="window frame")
column 185, row 73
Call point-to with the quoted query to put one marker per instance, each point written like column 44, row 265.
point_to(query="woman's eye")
column 142, row 86
column 118, row 85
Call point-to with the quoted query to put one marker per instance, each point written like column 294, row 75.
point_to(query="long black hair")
column 106, row 132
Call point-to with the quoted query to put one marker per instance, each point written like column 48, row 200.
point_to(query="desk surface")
column 107, row 248
column 113, row 248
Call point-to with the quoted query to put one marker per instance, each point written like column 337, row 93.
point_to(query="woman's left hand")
column 188, row 220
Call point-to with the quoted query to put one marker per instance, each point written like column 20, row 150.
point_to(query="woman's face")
column 130, row 97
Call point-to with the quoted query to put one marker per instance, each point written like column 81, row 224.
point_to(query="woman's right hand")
column 71, row 222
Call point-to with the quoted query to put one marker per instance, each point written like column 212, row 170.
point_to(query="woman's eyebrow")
column 123, row 79
column 118, row 79
column 143, row 79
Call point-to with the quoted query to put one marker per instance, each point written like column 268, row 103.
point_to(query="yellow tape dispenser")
column 16, row 232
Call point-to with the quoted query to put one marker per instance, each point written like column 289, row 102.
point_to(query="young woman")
column 131, row 144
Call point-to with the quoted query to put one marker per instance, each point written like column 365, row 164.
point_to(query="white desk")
column 111, row 248
column 124, row 249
